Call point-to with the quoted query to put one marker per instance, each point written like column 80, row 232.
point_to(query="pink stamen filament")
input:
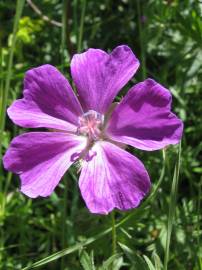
column 90, row 124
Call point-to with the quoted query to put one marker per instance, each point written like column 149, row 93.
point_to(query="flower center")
column 90, row 124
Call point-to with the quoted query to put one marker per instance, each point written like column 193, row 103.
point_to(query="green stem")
column 113, row 232
column 63, row 34
column 19, row 9
column 4, row 97
column 74, row 206
column 1, row 104
column 80, row 38
column 64, row 224
column 1, row 72
column 75, row 19
column 172, row 206
column 199, row 223
column 142, row 46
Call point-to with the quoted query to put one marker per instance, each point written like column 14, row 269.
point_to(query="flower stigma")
column 90, row 124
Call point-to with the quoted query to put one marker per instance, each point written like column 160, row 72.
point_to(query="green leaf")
column 136, row 260
column 157, row 261
column 87, row 261
column 112, row 261
column 149, row 263
column 171, row 214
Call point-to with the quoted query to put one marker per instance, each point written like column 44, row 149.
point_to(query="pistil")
column 90, row 124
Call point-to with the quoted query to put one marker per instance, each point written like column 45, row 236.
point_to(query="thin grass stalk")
column 142, row 46
column 81, row 28
column 114, row 236
column 4, row 190
column 63, row 33
column 64, row 219
column 1, row 72
column 19, row 9
column 4, row 99
column 75, row 19
column 199, row 223
column 172, row 206
column 74, row 207
column 1, row 99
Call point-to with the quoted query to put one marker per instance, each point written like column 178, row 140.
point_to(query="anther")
column 90, row 124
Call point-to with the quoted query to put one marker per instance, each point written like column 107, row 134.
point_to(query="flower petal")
column 112, row 178
column 143, row 118
column 41, row 159
column 99, row 76
column 49, row 101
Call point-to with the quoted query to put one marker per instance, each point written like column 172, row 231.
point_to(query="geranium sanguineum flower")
column 89, row 128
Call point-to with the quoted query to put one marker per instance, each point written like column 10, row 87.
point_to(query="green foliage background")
column 166, row 36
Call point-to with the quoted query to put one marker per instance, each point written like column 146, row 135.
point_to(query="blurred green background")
column 166, row 36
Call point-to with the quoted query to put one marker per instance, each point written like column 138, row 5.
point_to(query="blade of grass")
column 4, row 98
column 142, row 48
column 199, row 224
column 113, row 232
column 74, row 207
column 66, row 251
column 19, row 9
column 1, row 99
column 2, row 78
column 75, row 19
column 172, row 205
column 64, row 218
column 66, row 44
column 63, row 34
column 80, row 38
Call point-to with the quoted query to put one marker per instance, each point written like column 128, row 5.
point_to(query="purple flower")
column 90, row 129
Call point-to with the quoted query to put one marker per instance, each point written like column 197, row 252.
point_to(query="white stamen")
column 90, row 124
